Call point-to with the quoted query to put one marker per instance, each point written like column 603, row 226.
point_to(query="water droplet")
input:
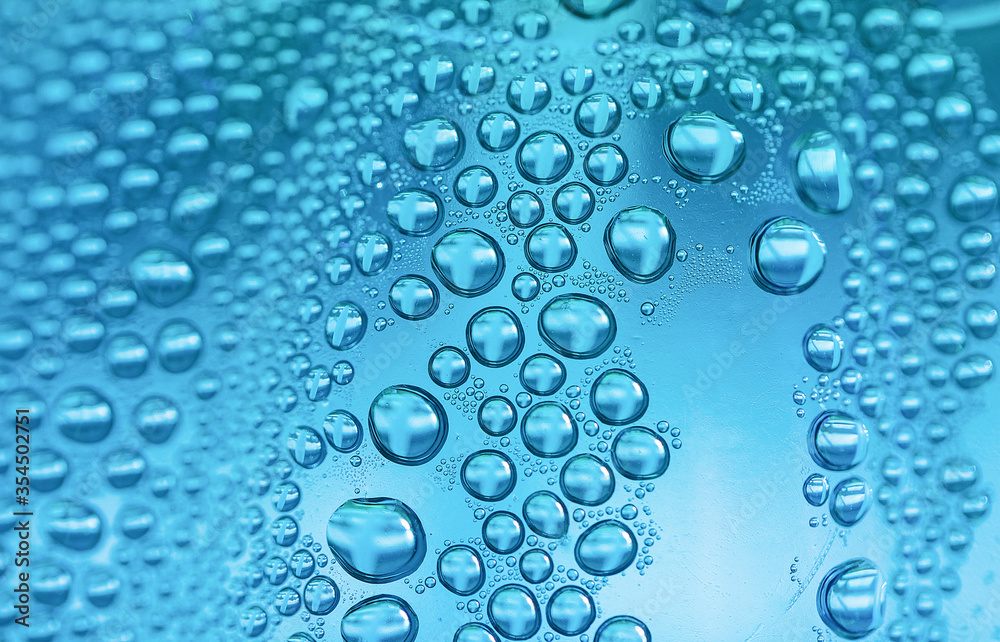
column 786, row 256
column 382, row 618
column 577, row 326
column 823, row 173
column 851, row 598
column 618, row 397
column 704, row 147
column 488, row 475
column 606, row 548
column 640, row 242
column 837, row 441
column 376, row 540
column 468, row 262
column 408, row 425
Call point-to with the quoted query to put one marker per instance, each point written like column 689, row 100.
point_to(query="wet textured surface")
column 491, row 320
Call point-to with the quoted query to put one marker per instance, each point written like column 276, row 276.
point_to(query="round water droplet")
column 586, row 480
column 503, row 532
column 474, row 632
column 178, row 346
column 786, row 256
column 382, row 618
column 468, row 262
column 320, row 595
column 461, row 570
column 536, row 566
column 495, row 336
column 850, row 501
column 570, row 610
column 837, row 441
column 823, row 348
column 514, row 612
column 528, row 93
column 704, row 147
column 72, row 524
column 606, row 548
column 376, row 540
column 497, row 416
column 408, row 425
column 548, row 430
column 598, row 115
column 544, row 157
column 577, row 326
column 448, row 367
column 498, row 131
column 623, row 628
column 433, row 144
column 851, row 599
column 542, row 374
column 488, row 475
column 343, row 431
column 525, row 286
column 573, row 203
column 640, row 243
column 83, row 415
column 550, row 248
column 618, row 397
column 415, row 212
column 162, row 277
column 475, row 186
column 345, row 326
column 823, row 173
column 972, row 198
column 524, row 209
column 973, row 371
column 639, row 453
column 413, row 297
column 545, row 514
column 816, row 489
column 306, row 447
column 605, row 164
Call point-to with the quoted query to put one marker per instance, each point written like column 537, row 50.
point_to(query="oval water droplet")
column 468, row 262
column 851, row 599
column 606, row 548
column 823, row 173
column 639, row 453
column 640, row 243
column 704, row 147
column 577, row 326
column 376, row 540
column 382, row 618
column 488, row 475
column 618, row 397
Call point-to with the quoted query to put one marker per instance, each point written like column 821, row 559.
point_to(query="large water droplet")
column 83, row 415
column 570, row 610
column 545, row 514
column 639, row 453
column 495, row 336
column 345, row 326
column 550, row 248
column 823, row 173
column 618, row 397
column 376, row 540
column 548, row 430
column 623, row 628
column 837, row 441
column 704, row 147
column 414, row 212
column 544, row 157
column 640, row 242
column 162, row 277
column 468, row 262
column 382, row 618
column 514, row 612
column 461, row 570
column 586, row 480
column 488, row 475
column 786, row 256
column 851, row 599
column 408, row 425
column 433, row 144
column 577, row 326
column 606, row 548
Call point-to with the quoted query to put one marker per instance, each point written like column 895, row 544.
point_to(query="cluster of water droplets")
column 290, row 204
